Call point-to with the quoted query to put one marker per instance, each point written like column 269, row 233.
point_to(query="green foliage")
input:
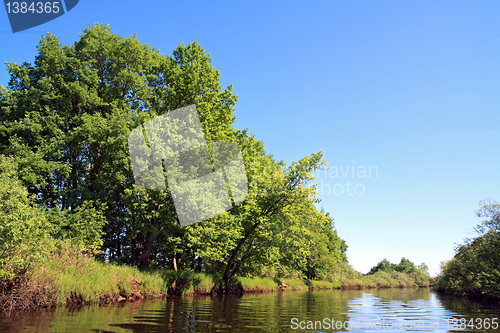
column 280, row 226
column 24, row 228
column 489, row 212
column 302, row 244
column 189, row 283
column 259, row 284
column 83, row 227
column 325, row 284
column 402, row 279
column 380, row 279
column 421, row 276
column 405, row 274
column 346, row 274
column 69, row 272
column 384, row 266
column 475, row 268
column 404, row 266
column 395, row 279
column 29, row 232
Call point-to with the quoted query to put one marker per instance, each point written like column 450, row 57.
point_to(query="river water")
column 383, row 310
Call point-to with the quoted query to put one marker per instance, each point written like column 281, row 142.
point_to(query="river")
column 382, row 310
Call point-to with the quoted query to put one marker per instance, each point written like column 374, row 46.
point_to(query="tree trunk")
column 174, row 261
column 233, row 267
column 145, row 258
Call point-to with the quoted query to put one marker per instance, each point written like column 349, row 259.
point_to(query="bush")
column 24, row 236
column 380, row 279
column 475, row 269
column 28, row 233
column 421, row 278
column 402, row 279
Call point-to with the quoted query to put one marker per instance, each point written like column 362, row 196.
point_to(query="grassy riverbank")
column 69, row 278
column 66, row 277
column 191, row 283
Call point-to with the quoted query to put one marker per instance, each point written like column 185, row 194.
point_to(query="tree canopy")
column 404, row 266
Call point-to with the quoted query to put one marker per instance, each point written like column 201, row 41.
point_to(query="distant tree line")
column 404, row 266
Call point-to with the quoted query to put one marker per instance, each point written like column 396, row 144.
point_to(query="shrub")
column 23, row 226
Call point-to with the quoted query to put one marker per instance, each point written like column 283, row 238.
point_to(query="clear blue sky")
column 410, row 89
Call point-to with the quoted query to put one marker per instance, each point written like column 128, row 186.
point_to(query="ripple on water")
column 271, row 312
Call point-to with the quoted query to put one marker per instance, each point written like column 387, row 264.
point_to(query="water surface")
column 384, row 310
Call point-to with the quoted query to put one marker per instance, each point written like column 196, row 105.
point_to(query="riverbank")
column 262, row 312
column 68, row 278
column 491, row 297
column 189, row 283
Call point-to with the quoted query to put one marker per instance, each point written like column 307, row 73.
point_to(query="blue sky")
column 404, row 88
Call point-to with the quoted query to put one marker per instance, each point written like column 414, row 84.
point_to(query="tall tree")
column 273, row 187
column 67, row 118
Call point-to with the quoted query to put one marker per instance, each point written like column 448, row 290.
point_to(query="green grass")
column 189, row 283
column 325, row 285
column 69, row 273
column 295, row 284
column 256, row 284
column 385, row 280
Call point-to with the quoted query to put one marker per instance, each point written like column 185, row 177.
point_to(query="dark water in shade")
column 387, row 310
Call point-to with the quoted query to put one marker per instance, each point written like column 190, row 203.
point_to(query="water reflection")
column 249, row 313
column 273, row 312
column 403, row 310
